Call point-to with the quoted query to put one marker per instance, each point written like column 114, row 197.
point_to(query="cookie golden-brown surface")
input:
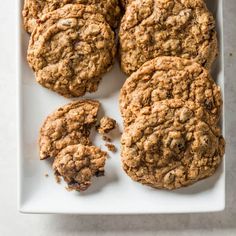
column 171, row 147
column 77, row 164
column 68, row 125
column 71, row 49
column 152, row 28
column 167, row 78
column 34, row 9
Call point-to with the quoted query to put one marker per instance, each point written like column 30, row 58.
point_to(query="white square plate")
column 115, row 193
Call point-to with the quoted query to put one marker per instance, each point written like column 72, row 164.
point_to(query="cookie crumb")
column 106, row 138
column 111, row 147
column 106, row 124
column 46, row 175
column 57, row 177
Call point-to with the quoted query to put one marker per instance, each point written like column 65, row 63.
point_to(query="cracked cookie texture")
column 170, row 78
column 152, row 28
column 35, row 9
column 77, row 164
column 171, row 147
column 70, row 50
column 68, row 125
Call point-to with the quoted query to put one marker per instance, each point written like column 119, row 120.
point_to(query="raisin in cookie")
column 34, row 9
column 71, row 49
column 68, row 125
column 77, row 164
column 152, row 28
column 171, row 147
column 167, row 78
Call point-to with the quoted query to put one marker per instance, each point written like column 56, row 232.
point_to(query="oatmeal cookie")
column 70, row 50
column 68, row 125
column 152, row 28
column 77, row 164
column 167, row 78
column 34, row 9
column 106, row 124
column 171, row 147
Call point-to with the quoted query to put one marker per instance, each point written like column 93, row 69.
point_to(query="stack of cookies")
column 170, row 104
column 72, row 42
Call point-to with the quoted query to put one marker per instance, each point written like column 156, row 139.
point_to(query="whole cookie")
column 171, row 147
column 71, row 49
column 152, row 28
column 77, row 164
column 167, row 78
column 68, row 125
column 34, row 9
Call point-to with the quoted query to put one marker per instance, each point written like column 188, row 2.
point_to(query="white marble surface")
column 13, row 223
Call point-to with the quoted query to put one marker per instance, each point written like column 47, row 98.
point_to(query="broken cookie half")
column 77, row 164
column 68, row 125
column 64, row 137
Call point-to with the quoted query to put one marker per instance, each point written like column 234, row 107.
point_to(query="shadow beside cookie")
column 98, row 183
